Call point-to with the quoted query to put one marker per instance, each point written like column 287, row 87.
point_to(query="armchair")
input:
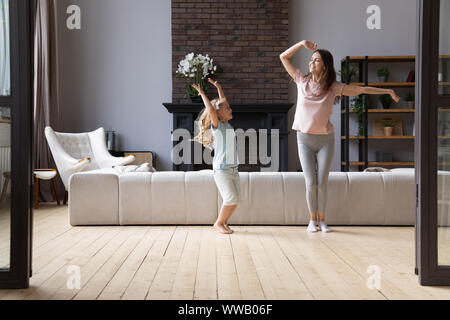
column 75, row 152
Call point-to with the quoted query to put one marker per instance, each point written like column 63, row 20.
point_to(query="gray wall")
column 116, row 71
column 340, row 27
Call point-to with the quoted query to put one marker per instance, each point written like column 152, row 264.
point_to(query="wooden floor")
column 194, row 262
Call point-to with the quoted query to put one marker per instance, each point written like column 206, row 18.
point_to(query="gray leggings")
column 316, row 152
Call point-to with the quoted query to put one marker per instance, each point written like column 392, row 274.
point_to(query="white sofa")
column 103, row 197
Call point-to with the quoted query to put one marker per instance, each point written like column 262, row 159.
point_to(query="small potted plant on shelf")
column 351, row 73
column 383, row 74
column 196, row 69
column 358, row 108
column 386, row 101
column 410, row 99
column 388, row 129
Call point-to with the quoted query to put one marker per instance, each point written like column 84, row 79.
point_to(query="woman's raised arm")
column 286, row 56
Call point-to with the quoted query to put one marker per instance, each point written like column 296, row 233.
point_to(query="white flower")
column 190, row 56
column 189, row 66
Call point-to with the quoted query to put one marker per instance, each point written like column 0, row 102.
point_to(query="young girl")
column 317, row 92
column 214, row 119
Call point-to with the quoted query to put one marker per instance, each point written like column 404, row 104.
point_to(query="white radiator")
column 5, row 165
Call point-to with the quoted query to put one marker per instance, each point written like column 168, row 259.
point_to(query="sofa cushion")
column 201, row 197
column 168, row 198
column 94, row 198
column 135, row 198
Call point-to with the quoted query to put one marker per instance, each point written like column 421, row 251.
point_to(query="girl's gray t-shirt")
column 225, row 151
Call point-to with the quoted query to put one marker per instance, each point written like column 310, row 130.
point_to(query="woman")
column 317, row 92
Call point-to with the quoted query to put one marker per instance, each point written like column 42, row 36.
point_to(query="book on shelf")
column 411, row 76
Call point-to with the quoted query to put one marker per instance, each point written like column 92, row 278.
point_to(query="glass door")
column 15, row 143
column 433, row 170
column 443, row 133
column 5, row 137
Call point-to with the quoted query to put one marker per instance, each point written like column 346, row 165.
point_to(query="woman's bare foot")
column 221, row 228
column 228, row 228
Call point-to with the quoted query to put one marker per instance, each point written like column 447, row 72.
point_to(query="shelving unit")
column 375, row 163
column 387, row 111
column 363, row 66
column 380, row 137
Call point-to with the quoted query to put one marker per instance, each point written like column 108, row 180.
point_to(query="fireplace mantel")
column 245, row 116
column 248, row 107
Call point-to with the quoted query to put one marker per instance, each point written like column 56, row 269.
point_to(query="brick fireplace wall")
column 245, row 39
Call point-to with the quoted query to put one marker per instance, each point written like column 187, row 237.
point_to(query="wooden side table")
column 44, row 174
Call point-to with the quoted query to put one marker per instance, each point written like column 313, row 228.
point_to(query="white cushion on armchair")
column 101, row 154
column 75, row 152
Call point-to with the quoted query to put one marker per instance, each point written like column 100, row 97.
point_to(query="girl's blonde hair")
column 202, row 128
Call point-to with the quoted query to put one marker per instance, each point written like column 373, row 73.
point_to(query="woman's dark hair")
column 330, row 73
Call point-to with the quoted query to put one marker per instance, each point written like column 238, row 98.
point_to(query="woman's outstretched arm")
column 218, row 87
column 286, row 56
column 352, row 90
column 208, row 105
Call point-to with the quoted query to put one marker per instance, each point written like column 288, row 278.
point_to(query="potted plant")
column 386, row 101
column 351, row 73
column 196, row 69
column 410, row 99
column 388, row 129
column 358, row 108
column 383, row 74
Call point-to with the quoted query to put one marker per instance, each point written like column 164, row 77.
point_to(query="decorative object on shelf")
column 410, row 100
column 358, row 108
column 381, row 156
column 386, row 101
column 444, row 124
column 352, row 73
column 379, row 125
column 388, row 129
column 411, row 76
column 383, row 74
column 446, row 128
column 196, row 69
column 110, row 138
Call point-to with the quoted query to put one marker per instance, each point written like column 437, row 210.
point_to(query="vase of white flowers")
column 196, row 69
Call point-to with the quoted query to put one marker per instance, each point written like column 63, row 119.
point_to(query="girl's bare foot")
column 221, row 228
column 228, row 228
